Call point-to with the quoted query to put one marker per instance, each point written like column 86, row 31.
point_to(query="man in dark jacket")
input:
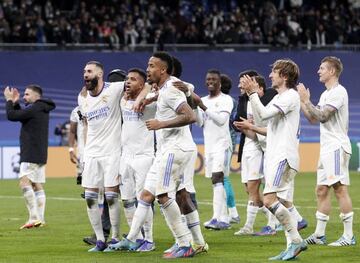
column 34, row 120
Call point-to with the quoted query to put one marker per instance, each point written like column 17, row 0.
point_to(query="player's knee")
column 128, row 203
column 341, row 191
column 91, row 198
column 24, row 181
column 111, row 197
column 217, row 178
column 269, row 200
column 147, row 196
column 321, row 192
column 193, row 199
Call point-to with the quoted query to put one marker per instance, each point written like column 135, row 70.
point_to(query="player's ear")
column 100, row 74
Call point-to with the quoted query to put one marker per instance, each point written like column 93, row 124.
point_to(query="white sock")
column 295, row 213
column 224, row 216
column 218, row 200
column 112, row 199
column 321, row 221
column 193, row 223
column 94, row 214
column 251, row 212
column 167, row 220
column 172, row 214
column 138, row 219
column 129, row 214
column 41, row 201
column 233, row 211
column 286, row 220
column 294, row 224
column 148, row 226
column 30, row 202
column 348, row 224
column 272, row 221
column 288, row 238
column 129, row 210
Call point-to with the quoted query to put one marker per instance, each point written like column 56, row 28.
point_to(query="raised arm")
column 140, row 102
column 263, row 113
column 312, row 113
column 186, row 88
column 219, row 118
column 13, row 109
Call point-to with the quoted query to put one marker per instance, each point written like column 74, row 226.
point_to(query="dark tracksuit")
column 34, row 120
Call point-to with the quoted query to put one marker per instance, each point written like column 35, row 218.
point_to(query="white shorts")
column 170, row 170
column 252, row 166
column 101, row 171
column 133, row 170
column 217, row 162
column 333, row 167
column 33, row 171
column 189, row 173
column 151, row 177
column 279, row 179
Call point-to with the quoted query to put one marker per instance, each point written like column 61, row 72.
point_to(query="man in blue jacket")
column 34, row 120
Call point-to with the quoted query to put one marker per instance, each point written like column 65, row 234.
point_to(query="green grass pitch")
column 67, row 223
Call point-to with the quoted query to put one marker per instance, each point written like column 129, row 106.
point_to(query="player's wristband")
column 252, row 93
column 71, row 149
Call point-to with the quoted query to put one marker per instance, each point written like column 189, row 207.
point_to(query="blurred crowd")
column 128, row 23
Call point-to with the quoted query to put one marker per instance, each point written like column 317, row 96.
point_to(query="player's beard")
column 92, row 84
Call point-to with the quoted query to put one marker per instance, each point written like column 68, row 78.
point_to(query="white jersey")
column 250, row 144
column 103, row 117
column 170, row 98
column 217, row 138
column 74, row 117
column 333, row 133
column 136, row 138
column 283, row 130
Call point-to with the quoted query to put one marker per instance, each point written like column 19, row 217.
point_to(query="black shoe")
column 91, row 240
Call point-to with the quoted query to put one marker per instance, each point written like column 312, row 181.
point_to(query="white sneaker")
column 343, row 241
column 314, row 240
column 244, row 231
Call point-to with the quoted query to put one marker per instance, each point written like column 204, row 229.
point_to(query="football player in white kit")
column 187, row 88
column 252, row 166
column 101, row 108
column 137, row 155
column 214, row 116
column 76, row 139
column 187, row 199
column 332, row 111
column 282, row 139
column 175, row 147
column 226, row 85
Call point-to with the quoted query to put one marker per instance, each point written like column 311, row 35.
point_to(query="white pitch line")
column 47, row 197
column 205, row 202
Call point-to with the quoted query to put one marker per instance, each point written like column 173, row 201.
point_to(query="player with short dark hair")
column 34, row 120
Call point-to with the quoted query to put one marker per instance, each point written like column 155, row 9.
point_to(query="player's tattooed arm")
column 313, row 113
column 185, row 116
column 321, row 115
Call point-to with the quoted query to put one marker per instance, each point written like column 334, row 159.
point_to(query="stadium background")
column 48, row 42
column 60, row 75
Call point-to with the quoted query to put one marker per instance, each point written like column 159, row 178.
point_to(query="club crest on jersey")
column 104, row 98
